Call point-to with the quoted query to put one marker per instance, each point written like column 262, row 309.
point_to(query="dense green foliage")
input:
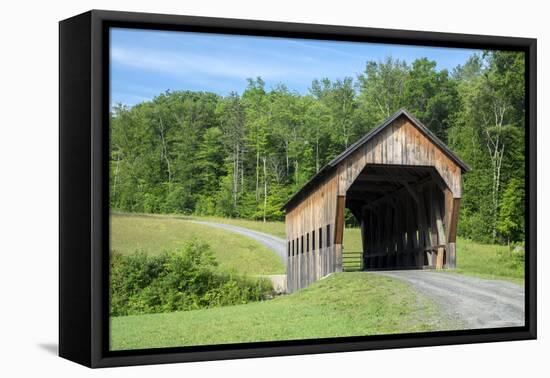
column 344, row 304
column 183, row 279
column 244, row 155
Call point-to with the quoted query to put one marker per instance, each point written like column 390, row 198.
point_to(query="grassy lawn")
column 153, row 234
column 343, row 304
column 272, row 228
column 352, row 236
column 483, row 260
column 473, row 258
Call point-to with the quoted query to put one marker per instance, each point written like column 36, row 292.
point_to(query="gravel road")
column 274, row 243
column 477, row 302
column 472, row 301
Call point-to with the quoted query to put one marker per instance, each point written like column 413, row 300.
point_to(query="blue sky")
column 145, row 63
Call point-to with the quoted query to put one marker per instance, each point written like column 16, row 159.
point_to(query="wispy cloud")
column 186, row 63
column 147, row 63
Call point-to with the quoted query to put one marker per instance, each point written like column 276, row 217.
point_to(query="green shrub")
column 514, row 257
column 183, row 279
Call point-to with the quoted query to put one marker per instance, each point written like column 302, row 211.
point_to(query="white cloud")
column 187, row 64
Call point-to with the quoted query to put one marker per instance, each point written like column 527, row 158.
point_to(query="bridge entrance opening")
column 405, row 217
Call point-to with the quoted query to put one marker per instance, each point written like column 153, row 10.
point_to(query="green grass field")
column 153, row 234
column 352, row 236
column 476, row 259
column 483, row 260
column 343, row 304
column 272, row 228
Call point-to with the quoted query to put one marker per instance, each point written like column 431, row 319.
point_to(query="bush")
column 514, row 257
column 205, row 205
column 183, row 279
column 475, row 226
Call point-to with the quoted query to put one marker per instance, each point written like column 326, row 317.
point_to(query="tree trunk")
column 257, row 172
column 164, row 152
column 287, row 161
column 115, row 180
column 265, row 188
column 235, row 174
column 496, row 146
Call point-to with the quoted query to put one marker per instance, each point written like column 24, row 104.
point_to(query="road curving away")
column 477, row 302
column 473, row 302
column 274, row 243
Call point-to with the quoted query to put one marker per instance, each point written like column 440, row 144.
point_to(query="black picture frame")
column 83, row 181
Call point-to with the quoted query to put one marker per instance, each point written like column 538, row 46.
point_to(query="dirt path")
column 477, row 302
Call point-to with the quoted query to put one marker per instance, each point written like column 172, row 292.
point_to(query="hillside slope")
column 344, row 304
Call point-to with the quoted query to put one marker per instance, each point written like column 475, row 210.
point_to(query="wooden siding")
column 400, row 143
column 412, row 226
column 314, row 213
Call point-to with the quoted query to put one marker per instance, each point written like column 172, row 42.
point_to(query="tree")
column 382, row 89
column 232, row 119
column 338, row 98
column 431, row 96
column 498, row 109
column 511, row 223
column 244, row 155
column 257, row 120
column 488, row 133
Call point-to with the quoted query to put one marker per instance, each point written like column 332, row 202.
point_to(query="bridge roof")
column 323, row 172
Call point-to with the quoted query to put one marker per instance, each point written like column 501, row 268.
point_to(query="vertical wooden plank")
column 309, row 259
column 368, row 237
column 380, row 261
column 381, row 221
column 297, row 264
column 364, row 226
column 422, row 228
column 431, row 224
column 321, row 252
column 330, row 244
column 413, row 230
column 318, row 254
column 396, row 237
column 306, row 260
column 287, row 270
column 301, row 261
column 391, row 229
column 440, row 253
column 441, row 238
column 338, row 233
column 388, row 234
column 290, row 237
column 451, row 253
column 405, row 198
column 451, row 235
column 339, row 220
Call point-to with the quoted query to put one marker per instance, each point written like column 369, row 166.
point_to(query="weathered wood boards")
column 400, row 143
column 315, row 215
column 402, row 186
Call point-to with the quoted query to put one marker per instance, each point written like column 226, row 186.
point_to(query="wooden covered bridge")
column 401, row 183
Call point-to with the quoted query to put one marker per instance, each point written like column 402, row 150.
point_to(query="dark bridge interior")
column 400, row 210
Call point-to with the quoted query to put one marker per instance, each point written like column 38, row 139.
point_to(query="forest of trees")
column 245, row 155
